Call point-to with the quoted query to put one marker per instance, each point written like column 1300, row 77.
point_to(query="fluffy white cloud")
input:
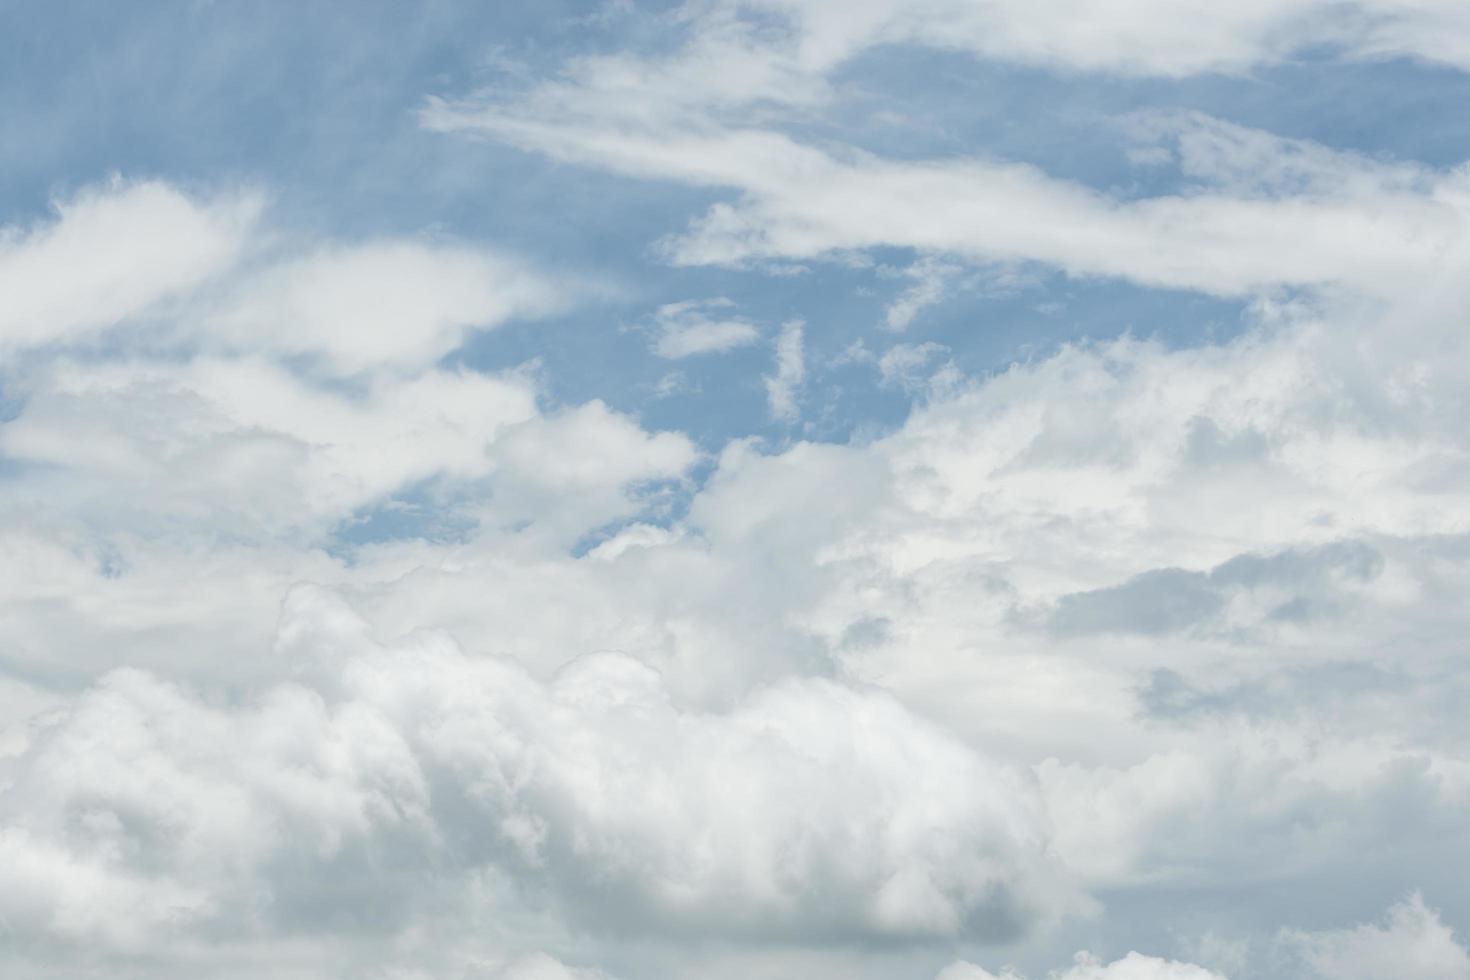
column 243, row 446
column 1006, row 563
column 1030, row 563
column 397, row 304
column 1158, row 625
column 113, row 253
column 140, row 811
column 149, row 258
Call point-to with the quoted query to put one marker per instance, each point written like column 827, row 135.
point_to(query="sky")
column 862, row 490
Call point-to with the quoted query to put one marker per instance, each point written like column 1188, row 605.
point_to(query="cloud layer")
column 340, row 638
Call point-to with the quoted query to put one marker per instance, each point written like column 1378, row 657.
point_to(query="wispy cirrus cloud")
column 694, row 327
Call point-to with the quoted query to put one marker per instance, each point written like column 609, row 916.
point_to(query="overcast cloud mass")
column 735, row 490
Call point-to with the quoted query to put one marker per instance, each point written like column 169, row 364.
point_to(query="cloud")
column 1264, row 212
column 1412, row 943
column 1129, row 37
column 928, row 289
column 1290, row 586
column 241, row 445
column 649, row 792
column 783, row 385
column 111, row 254
column 907, row 366
column 798, row 202
column 696, row 327
column 1072, row 476
column 1134, row 966
column 1294, row 534
column 244, row 446
column 1217, row 242
column 141, row 811
column 1086, row 652
column 396, row 304
column 117, row 255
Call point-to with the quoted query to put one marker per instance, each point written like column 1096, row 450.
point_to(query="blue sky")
column 742, row 488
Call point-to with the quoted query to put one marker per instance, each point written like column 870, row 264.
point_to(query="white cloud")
column 1131, row 37
column 207, row 426
column 573, row 470
column 1411, row 944
column 931, row 573
column 141, row 812
column 1177, row 627
column 116, row 256
column 929, row 278
column 240, row 447
column 114, row 253
column 1216, row 242
column 396, row 304
column 783, row 385
column 1134, row 966
column 907, row 365
column 1267, row 212
column 934, row 572
column 243, row 446
column 698, row 327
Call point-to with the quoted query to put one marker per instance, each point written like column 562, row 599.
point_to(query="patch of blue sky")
column 603, row 352
column 417, row 511
column 317, row 96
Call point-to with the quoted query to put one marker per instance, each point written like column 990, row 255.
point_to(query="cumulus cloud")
column 959, row 583
column 595, row 787
column 114, row 255
column 111, row 253
column 396, row 304
column 1080, row 654
column 243, row 442
column 140, row 811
